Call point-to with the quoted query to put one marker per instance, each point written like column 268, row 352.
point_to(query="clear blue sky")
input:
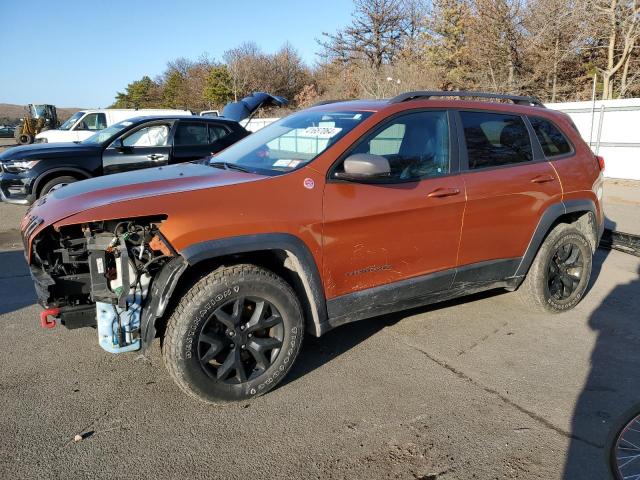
column 75, row 53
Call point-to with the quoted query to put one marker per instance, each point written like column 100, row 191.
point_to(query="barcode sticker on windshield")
column 322, row 132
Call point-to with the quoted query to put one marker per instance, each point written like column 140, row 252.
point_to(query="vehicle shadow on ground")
column 320, row 351
column 611, row 387
column 16, row 286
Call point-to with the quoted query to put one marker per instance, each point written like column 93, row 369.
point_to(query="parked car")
column 7, row 132
column 30, row 172
column 337, row 213
column 81, row 125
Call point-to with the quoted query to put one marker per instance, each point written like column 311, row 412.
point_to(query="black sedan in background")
column 31, row 171
column 7, row 132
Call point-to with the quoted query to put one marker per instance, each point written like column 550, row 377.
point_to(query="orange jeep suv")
column 337, row 213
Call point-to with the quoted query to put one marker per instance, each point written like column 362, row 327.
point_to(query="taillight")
column 600, row 162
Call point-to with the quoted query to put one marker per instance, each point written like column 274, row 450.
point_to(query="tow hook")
column 44, row 317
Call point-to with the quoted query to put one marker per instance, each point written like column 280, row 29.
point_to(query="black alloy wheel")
column 240, row 340
column 565, row 271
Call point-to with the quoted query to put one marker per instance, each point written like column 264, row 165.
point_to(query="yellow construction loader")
column 38, row 119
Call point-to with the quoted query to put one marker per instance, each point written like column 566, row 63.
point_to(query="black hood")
column 42, row 151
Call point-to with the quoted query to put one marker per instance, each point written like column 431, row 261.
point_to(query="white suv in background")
column 83, row 124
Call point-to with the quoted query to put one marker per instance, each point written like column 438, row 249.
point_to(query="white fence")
column 257, row 123
column 612, row 128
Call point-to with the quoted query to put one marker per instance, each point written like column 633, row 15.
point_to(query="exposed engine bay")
column 99, row 274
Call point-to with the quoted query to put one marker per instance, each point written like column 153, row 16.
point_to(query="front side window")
column 71, row 121
column 291, row 142
column 416, row 145
column 93, row 122
column 191, row 134
column 551, row 139
column 495, row 139
column 152, row 136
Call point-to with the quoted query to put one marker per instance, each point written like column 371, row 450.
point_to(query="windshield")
column 290, row 142
column 104, row 135
column 71, row 121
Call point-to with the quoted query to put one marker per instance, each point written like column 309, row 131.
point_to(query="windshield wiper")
column 229, row 166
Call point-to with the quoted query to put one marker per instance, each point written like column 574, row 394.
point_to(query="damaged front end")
column 115, row 275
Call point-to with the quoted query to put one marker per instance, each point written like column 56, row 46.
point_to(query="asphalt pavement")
column 477, row 388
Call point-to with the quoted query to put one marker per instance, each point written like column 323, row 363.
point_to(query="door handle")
column 155, row 156
column 443, row 192
column 543, row 179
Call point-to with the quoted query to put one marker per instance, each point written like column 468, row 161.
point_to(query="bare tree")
column 241, row 61
column 376, row 33
column 623, row 21
column 557, row 33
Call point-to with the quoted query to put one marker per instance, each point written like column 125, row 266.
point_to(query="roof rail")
column 424, row 95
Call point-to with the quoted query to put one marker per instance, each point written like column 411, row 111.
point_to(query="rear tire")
column 56, row 183
column 560, row 272
column 234, row 335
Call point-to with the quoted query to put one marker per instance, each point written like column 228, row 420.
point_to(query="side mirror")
column 118, row 145
column 363, row 167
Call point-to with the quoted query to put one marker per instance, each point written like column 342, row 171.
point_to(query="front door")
column 405, row 227
column 143, row 147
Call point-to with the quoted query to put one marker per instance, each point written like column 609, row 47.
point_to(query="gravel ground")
column 478, row 388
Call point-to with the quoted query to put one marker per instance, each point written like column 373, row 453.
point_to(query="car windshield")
column 290, row 142
column 71, row 121
column 104, row 135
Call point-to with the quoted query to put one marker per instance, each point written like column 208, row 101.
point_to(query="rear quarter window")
column 552, row 140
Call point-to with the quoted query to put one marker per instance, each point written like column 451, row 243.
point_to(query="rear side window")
column 191, row 134
column 495, row 139
column 217, row 132
column 551, row 139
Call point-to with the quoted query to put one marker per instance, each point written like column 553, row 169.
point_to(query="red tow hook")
column 44, row 317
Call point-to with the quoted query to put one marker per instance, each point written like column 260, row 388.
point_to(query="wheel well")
column 584, row 221
column 47, row 177
column 280, row 262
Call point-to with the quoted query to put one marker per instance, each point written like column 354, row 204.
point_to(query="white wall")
column 257, row 123
column 613, row 128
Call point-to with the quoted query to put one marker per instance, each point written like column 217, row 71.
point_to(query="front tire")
column 56, row 183
column 25, row 139
column 559, row 275
column 234, row 335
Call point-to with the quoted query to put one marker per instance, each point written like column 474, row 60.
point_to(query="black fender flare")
column 548, row 218
column 46, row 173
column 300, row 255
column 303, row 263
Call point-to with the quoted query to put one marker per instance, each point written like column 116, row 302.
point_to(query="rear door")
column 193, row 140
column 143, row 147
column 509, row 184
column 404, row 227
